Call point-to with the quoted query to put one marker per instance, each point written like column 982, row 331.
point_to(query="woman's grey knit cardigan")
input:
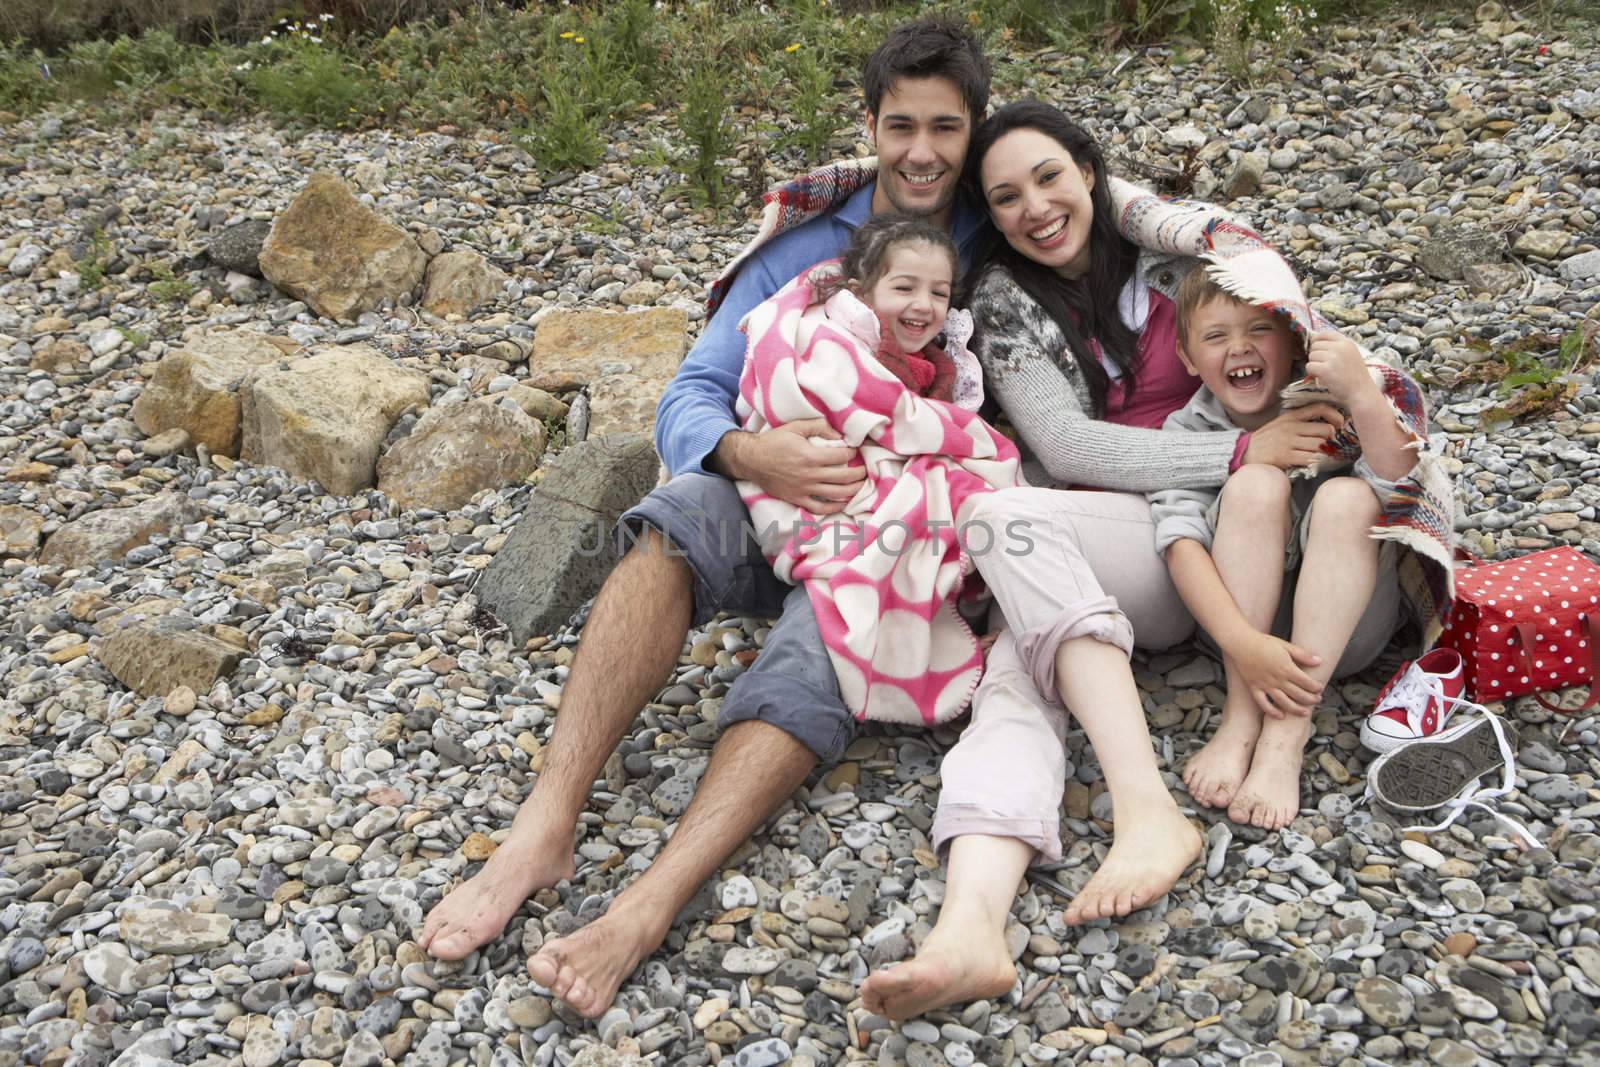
column 1049, row 403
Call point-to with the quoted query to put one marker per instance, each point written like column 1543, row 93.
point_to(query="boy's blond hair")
column 1197, row 289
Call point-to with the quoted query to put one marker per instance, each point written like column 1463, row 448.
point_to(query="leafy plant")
column 168, row 288
column 566, row 135
column 92, row 270
column 703, row 118
column 811, row 98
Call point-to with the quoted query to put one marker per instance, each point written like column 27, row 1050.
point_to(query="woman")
column 1076, row 335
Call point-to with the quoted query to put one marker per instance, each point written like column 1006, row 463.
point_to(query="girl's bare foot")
column 477, row 911
column 586, row 967
column 954, row 966
column 1213, row 774
column 1269, row 797
column 1149, row 854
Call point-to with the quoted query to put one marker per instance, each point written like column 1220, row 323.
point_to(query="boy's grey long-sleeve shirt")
column 1190, row 514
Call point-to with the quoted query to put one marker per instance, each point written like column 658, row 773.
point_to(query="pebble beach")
column 237, row 873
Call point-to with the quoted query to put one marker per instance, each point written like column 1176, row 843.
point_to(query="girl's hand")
column 1273, row 670
column 1293, row 438
column 1335, row 361
column 986, row 642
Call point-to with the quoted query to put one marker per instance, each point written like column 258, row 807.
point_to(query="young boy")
column 1336, row 595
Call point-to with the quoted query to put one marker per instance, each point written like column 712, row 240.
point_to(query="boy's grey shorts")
column 791, row 685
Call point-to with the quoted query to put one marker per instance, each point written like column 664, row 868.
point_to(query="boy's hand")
column 785, row 464
column 1335, row 361
column 1293, row 438
column 1271, row 668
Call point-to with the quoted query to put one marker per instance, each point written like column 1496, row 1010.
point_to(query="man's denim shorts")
column 791, row 685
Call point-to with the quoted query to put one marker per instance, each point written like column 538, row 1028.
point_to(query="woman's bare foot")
column 1213, row 774
column 476, row 911
column 1269, row 797
column 1149, row 854
column 585, row 968
column 954, row 966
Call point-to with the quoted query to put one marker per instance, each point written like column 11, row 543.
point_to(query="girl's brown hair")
column 864, row 262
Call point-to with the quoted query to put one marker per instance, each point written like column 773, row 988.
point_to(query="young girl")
column 855, row 342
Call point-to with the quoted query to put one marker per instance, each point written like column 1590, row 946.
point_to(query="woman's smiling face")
column 1039, row 200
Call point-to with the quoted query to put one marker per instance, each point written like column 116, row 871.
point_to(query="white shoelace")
column 1415, row 688
column 1473, row 795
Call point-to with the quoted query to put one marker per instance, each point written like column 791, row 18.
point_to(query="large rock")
column 60, row 357
column 562, row 549
column 455, row 451
column 108, row 535
column 155, row 656
column 1452, row 249
column 338, row 255
column 174, row 932
column 625, row 358
column 238, row 247
column 19, row 530
column 197, row 387
column 325, row 416
column 459, row 282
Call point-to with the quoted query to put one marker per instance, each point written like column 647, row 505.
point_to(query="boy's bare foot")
column 1269, row 797
column 1213, row 774
column 476, row 911
column 1149, row 854
column 586, row 967
column 953, row 966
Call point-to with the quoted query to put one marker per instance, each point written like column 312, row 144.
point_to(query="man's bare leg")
column 965, row 958
column 1252, row 526
column 629, row 646
column 754, row 767
column 1336, row 580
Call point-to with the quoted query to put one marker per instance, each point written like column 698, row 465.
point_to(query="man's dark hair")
column 929, row 48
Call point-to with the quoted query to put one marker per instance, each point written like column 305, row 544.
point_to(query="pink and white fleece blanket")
column 883, row 574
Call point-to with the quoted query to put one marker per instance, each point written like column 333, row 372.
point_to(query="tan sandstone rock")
column 460, row 281
column 625, row 359
column 156, row 656
column 106, row 536
column 337, row 254
column 325, row 416
column 458, row 450
column 60, row 357
column 19, row 530
column 197, row 388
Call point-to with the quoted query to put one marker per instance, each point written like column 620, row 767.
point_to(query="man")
column 926, row 89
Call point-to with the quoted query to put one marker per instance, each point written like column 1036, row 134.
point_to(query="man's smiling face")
column 921, row 132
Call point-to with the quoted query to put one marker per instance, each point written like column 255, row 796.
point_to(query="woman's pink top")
column 1161, row 384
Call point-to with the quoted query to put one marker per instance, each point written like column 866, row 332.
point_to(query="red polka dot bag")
column 1528, row 625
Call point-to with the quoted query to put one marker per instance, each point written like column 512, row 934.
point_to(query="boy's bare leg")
column 754, row 767
column 1154, row 843
column 965, row 958
column 630, row 644
column 1252, row 532
column 1336, row 580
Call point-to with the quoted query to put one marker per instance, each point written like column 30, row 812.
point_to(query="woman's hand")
column 1294, row 438
column 1272, row 669
column 1335, row 362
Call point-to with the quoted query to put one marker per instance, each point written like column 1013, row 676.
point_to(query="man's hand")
column 1335, row 361
column 1272, row 669
column 1293, row 438
column 786, row 465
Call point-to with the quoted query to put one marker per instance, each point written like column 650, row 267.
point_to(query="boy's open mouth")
column 1247, row 379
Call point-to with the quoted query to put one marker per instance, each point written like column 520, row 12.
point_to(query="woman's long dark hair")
column 1086, row 307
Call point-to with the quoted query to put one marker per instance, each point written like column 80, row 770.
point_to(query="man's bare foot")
column 585, row 968
column 1149, row 854
column 1269, row 797
column 476, row 911
column 1213, row 774
column 954, row 966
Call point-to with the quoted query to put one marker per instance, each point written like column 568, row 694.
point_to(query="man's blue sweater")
column 697, row 407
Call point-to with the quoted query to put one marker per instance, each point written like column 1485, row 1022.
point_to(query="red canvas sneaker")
column 1418, row 701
